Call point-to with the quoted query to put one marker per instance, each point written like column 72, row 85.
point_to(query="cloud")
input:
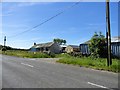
column 9, row 8
column 100, row 24
column 96, row 24
column 32, row 4
column 15, row 25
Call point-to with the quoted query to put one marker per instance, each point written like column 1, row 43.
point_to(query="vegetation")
column 4, row 48
column 60, row 41
column 27, row 54
column 96, row 63
column 74, row 59
column 97, row 46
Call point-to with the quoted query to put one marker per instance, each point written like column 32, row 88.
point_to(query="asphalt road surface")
column 45, row 73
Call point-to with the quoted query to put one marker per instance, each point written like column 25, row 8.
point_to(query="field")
column 95, row 63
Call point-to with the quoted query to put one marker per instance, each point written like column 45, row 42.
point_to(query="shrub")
column 97, row 45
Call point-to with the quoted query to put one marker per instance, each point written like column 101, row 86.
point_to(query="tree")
column 64, row 41
column 59, row 41
column 97, row 45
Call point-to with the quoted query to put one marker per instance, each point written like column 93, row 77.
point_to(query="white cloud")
column 96, row 24
column 15, row 6
column 32, row 4
column 15, row 25
column 100, row 24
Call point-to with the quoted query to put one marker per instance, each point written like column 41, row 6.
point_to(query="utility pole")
column 4, row 43
column 107, row 46
column 108, row 31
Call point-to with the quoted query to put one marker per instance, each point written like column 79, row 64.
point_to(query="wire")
column 45, row 21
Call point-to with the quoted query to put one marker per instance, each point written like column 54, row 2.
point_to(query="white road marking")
column 27, row 64
column 98, row 85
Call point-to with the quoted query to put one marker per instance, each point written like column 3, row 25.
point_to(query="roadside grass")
column 98, row 63
column 26, row 54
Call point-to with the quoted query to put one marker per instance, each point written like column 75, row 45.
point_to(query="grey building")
column 84, row 48
column 115, row 47
column 50, row 47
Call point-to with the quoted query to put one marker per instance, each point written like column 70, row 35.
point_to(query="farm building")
column 84, row 49
column 49, row 47
column 63, row 47
column 72, row 48
column 115, row 47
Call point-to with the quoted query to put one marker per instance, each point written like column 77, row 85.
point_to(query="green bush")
column 97, row 45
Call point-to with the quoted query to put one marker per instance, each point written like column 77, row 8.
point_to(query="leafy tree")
column 97, row 45
column 64, row 41
column 59, row 41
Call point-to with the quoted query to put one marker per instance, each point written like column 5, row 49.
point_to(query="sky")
column 76, row 25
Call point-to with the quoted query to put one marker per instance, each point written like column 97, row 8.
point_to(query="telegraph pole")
column 108, row 31
column 4, row 43
column 107, row 46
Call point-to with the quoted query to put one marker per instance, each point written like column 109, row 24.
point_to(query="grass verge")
column 99, row 63
column 26, row 54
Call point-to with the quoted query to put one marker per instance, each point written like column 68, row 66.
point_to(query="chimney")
column 34, row 43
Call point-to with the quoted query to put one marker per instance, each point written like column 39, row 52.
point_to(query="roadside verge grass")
column 26, row 54
column 98, row 63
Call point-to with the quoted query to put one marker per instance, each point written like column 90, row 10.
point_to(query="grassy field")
column 26, row 54
column 99, row 63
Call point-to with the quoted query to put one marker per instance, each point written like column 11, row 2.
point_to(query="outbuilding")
column 72, row 48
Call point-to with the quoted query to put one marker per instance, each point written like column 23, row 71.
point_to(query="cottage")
column 72, row 48
column 50, row 47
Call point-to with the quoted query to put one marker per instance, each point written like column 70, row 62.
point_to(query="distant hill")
column 0, row 47
column 7, row 47
column 10, row 48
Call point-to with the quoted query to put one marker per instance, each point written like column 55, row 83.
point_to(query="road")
column 45, row 73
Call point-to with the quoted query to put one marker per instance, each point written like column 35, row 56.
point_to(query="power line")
column 45, row 20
